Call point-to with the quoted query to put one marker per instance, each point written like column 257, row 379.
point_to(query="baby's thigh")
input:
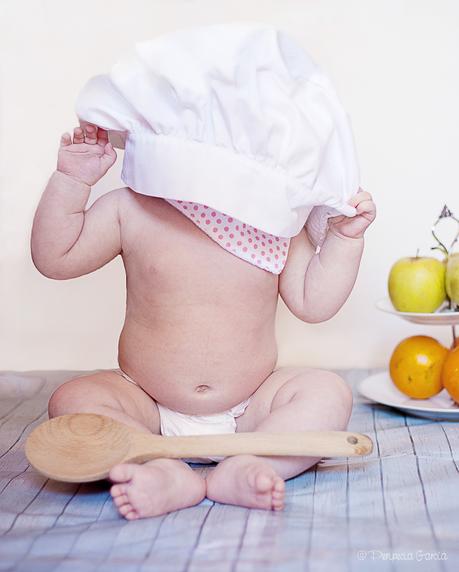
column 318, row 389
column 106, row 392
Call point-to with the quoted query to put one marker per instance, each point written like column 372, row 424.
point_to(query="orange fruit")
column 450, row 374
column 416, row 366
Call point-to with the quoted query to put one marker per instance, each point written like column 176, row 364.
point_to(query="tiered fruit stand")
column 381, row 389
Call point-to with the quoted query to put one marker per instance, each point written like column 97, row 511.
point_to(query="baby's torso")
column 199, row 330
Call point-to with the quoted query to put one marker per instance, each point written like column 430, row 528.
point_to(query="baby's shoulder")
column 124, row 195
column 124, row 199
column 129, row 200
column 116, row 197
column 137, row 210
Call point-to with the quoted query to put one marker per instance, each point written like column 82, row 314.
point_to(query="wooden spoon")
column 83, row 447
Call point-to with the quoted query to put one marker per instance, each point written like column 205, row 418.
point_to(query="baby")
column 197, row 352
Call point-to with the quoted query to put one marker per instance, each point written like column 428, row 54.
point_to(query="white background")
column 395, row 67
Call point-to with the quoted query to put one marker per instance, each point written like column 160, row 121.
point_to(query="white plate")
column 443, row 316
column 380, row 388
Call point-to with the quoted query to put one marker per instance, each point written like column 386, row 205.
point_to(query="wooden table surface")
column 397, row 509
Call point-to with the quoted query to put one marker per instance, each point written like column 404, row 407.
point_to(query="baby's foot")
column 246, row 480
column 155, row 488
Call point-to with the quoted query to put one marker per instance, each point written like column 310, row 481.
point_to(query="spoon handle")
column 303, row 444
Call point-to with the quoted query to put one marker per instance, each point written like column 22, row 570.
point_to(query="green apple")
column 452, row 277
column 417, row 284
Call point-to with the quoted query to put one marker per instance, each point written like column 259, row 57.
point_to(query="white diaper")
column 174, row 423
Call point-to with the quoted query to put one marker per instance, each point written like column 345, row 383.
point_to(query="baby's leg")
column 290, row 399
column 154, row 488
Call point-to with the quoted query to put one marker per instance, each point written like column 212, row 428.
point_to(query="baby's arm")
column 315, row 286
column 67, row 241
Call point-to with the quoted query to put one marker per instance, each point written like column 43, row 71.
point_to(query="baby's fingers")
column 78, row 135
column 102, row 137
column 366, row 207
column 359, row 197
column 109, row 156
column 66, row 139
column 90, row 134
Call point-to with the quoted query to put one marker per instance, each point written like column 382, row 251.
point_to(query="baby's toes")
column 120, row 500
column 128, row 511
column 66, row 140
column 117, row 490
column 278, row 494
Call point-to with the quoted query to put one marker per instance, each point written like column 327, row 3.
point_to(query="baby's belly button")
column 202, row 388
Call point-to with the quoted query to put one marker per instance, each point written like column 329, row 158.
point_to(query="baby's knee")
column 335, row 391
column 326, row 388
column 74, row 396
column 337, row 386
column 65, row 399
column 336, row 399
column 327, row 382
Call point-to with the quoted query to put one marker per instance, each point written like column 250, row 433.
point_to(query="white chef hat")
column 234, row 116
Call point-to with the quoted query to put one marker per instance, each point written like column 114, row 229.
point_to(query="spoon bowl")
column 79, row 447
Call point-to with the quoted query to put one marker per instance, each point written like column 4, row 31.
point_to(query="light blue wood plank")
column 178, row 539
column 401, row 498
column 408, row 516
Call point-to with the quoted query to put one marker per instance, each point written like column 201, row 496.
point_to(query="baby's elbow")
column 53, row 271
column 311, row 317
column 58, row 275
column 305, row 314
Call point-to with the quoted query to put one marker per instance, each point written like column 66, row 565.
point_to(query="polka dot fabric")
column 244, row 241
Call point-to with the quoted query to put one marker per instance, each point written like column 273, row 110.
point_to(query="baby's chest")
column 169, row 251
column 248, row 243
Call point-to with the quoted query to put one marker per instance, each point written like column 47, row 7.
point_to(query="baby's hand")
column 354, row 227
column 88, row 157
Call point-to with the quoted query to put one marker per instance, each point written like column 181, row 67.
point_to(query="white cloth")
column 177, row 424
column 234, row 116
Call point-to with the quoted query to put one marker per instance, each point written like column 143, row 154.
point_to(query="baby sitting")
column 197, row 352
column 198, row 337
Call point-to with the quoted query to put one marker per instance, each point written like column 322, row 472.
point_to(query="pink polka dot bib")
column 257, row 247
